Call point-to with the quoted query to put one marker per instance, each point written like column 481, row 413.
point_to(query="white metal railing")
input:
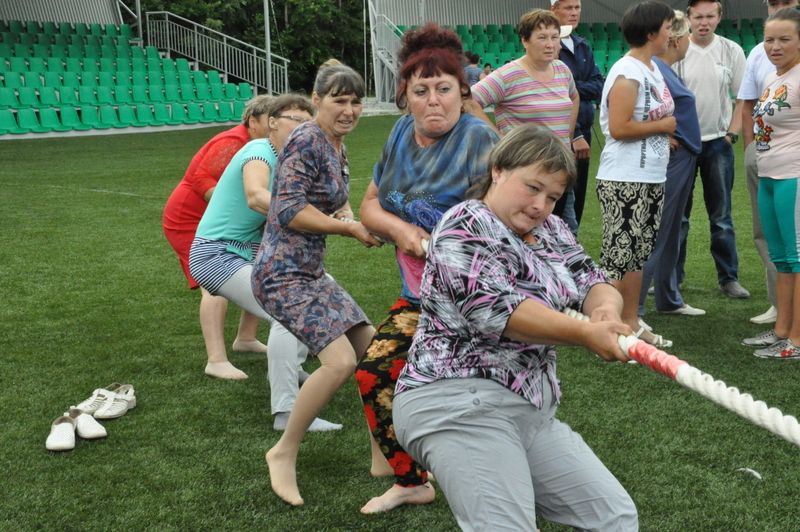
column 229, row 56
column 385, row 37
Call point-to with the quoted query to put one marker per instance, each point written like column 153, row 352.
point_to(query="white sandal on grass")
column 647, row 335
column 85, row 425
column 98, row 398
column 117, row 403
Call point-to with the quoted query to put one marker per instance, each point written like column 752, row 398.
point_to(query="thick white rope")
column 756, row 412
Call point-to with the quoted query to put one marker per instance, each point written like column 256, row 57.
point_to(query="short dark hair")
column 338, row 79
column 536, row 19
column 525, row 145
column 692, row 3
column 789, row 14
column 286, row 102
column 643, row 19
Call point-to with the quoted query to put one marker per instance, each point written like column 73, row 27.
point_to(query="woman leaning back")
column 636, row 116
column 289, row 279
column 426, row 166
column 476, row 402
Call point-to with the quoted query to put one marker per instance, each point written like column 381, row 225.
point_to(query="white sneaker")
column 767, row 317
column 764, row 339
column 685, row 310
column 86, row 426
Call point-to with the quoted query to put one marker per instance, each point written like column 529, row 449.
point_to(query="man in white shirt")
column 713, row 70
column 757, row 69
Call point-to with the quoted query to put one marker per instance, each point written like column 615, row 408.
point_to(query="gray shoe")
column 735, row 290
column 764, row 339
column 777, row 349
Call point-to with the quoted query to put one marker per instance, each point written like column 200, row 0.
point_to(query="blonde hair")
column 256, row 107
column 680, row 26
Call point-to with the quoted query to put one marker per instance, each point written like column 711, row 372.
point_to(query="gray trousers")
column 758, row 234
column 285, row 353
column 499, row 460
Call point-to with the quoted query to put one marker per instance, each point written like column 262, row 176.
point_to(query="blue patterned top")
column 419, row 184
column 478, row 271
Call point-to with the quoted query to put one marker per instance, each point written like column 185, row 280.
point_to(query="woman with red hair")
column 432, row 154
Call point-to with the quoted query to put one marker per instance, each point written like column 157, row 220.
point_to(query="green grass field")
column 93, row 294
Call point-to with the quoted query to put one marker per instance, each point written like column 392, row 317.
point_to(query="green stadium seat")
column 91, row 118
column 8, row 123
column 139, row 94
column 184, row 78
column 32, row 79
column 8, row 98
column 187, row 93
column 217, row 92
column 225, row 110
column 210, row 113
column 125, row 31
column 75, row 51
column 50, row 120
column 108, row 116
column 194, row 112
column 145, row 114
column 178, row 114
column 49, row 28
column 123, row 65
column 44, row 39
column 95, row 29
column 65, row 28
column 77, row 40
column 245, row 91
column 137, row 52
column 123, row 50
column 48, row 96
column 172, row 93
column 161, row 112
column 138, row 64
column 199, row 78
column 138, row 77
column 214, row 77
column 71, row 119
column 108, row 50
column 105, row 95
column 477, row 29
column 509, row 46
column 156, row 94
column 182, row 65
column 68, row 96
column 71, row 78
column 54, row 64
column 168, row 65
column 27, row 97
column 153, row 64
column 16, row 26
column 27, row 39
column 171, row 78
column 127, row 116
column 493, row 48
column 60, row 40
column 28, row 120
column 17, row 64
column 4, row 65
column 40, row 50
column 238, row 109
column 12, row 80
column 89, row 78
column 231, row 91
column 73, row 64
column 87, row 96
column 478, row 48
column 92, row 52
column 152, row 52
column 32, row 26
column 80, row 28
column 105, row 79
column 202, row 93
column 122, row 94
column 8, row 38
column 6, row 50
column 52, row 79
column 37, row 64
column 105, row 40
column 58, row 50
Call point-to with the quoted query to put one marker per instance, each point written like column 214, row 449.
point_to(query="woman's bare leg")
column 247, row 335
column 338, row 364
column 212, row 323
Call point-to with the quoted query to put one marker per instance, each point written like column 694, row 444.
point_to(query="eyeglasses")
column 295, row 118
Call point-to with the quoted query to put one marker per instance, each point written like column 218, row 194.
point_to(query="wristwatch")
column 732, row 136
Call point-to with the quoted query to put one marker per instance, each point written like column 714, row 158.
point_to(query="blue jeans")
column 715, row 163
column 660, row 267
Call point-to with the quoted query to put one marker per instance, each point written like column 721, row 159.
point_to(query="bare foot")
column 249, row 346
column 224, row 370
column 398, row 495
column 283, row 477
column 380, row 466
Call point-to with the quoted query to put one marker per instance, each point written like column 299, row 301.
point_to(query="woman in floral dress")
column 289, row 280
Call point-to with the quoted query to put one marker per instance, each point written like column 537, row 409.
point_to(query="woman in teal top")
column 221, row 257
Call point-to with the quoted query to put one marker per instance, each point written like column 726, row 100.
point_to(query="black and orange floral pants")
column 377, row 375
